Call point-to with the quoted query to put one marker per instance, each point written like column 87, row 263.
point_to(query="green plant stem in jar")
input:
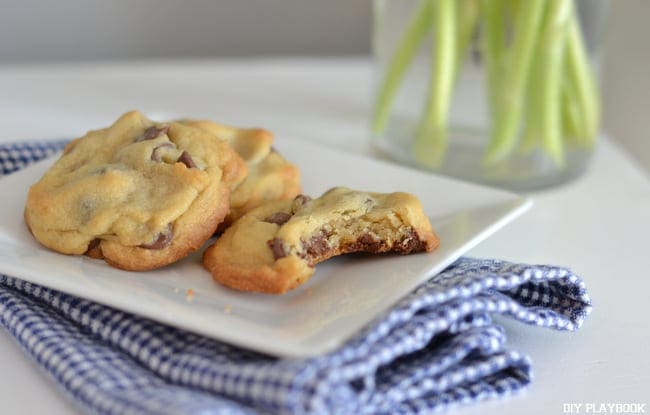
column 431, row 136
column 540, row 89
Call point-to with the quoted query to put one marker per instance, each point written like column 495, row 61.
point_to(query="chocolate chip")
column 410, row 243
column 164, row 239
column 317, row 244
column 370, row 243
column 367, row 242
column 87, row 206
column 153, row 132
column 277, row 247
column 156, row 153
column 367, row 239
column 186, row 159
column 298, row 202
column 279, row 218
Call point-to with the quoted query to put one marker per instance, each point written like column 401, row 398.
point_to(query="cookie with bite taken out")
column 274, row 248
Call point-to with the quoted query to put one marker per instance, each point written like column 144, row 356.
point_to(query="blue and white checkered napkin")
column 436, row 348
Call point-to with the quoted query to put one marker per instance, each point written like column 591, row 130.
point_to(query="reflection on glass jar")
column 502, row 92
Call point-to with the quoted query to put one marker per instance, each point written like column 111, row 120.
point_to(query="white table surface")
column 597, row 225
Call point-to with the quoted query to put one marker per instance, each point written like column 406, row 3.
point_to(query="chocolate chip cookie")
column 274, row 248
column 139, row 194
column 270, row 176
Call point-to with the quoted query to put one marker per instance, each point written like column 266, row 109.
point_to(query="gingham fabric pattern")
column 18, row 155
column 434, row 349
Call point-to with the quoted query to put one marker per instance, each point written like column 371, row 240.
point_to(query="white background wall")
column 627, row 77
column 108, row 29
column 59, row 30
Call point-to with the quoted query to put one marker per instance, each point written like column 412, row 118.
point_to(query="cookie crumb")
column 310, row 291
column 227, row 309
column 189, row 295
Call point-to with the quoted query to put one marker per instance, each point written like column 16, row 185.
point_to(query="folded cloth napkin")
column 437, row 347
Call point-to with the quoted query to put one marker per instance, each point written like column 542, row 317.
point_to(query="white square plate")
column 344, row 294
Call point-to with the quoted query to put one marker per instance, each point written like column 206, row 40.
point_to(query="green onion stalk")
column 540, row 85
column 431, row 137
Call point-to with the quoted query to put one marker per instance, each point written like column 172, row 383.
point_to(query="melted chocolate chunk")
column 277, row 247
column 186, row 159
column 366, row 243
column 279, row 218
column 317, row 244
column 163, row 240
column 153, row 132
column 410, row 243
column 370, row 243
column 156, row 153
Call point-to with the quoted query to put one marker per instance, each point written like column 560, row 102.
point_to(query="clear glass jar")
column 502, row 92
